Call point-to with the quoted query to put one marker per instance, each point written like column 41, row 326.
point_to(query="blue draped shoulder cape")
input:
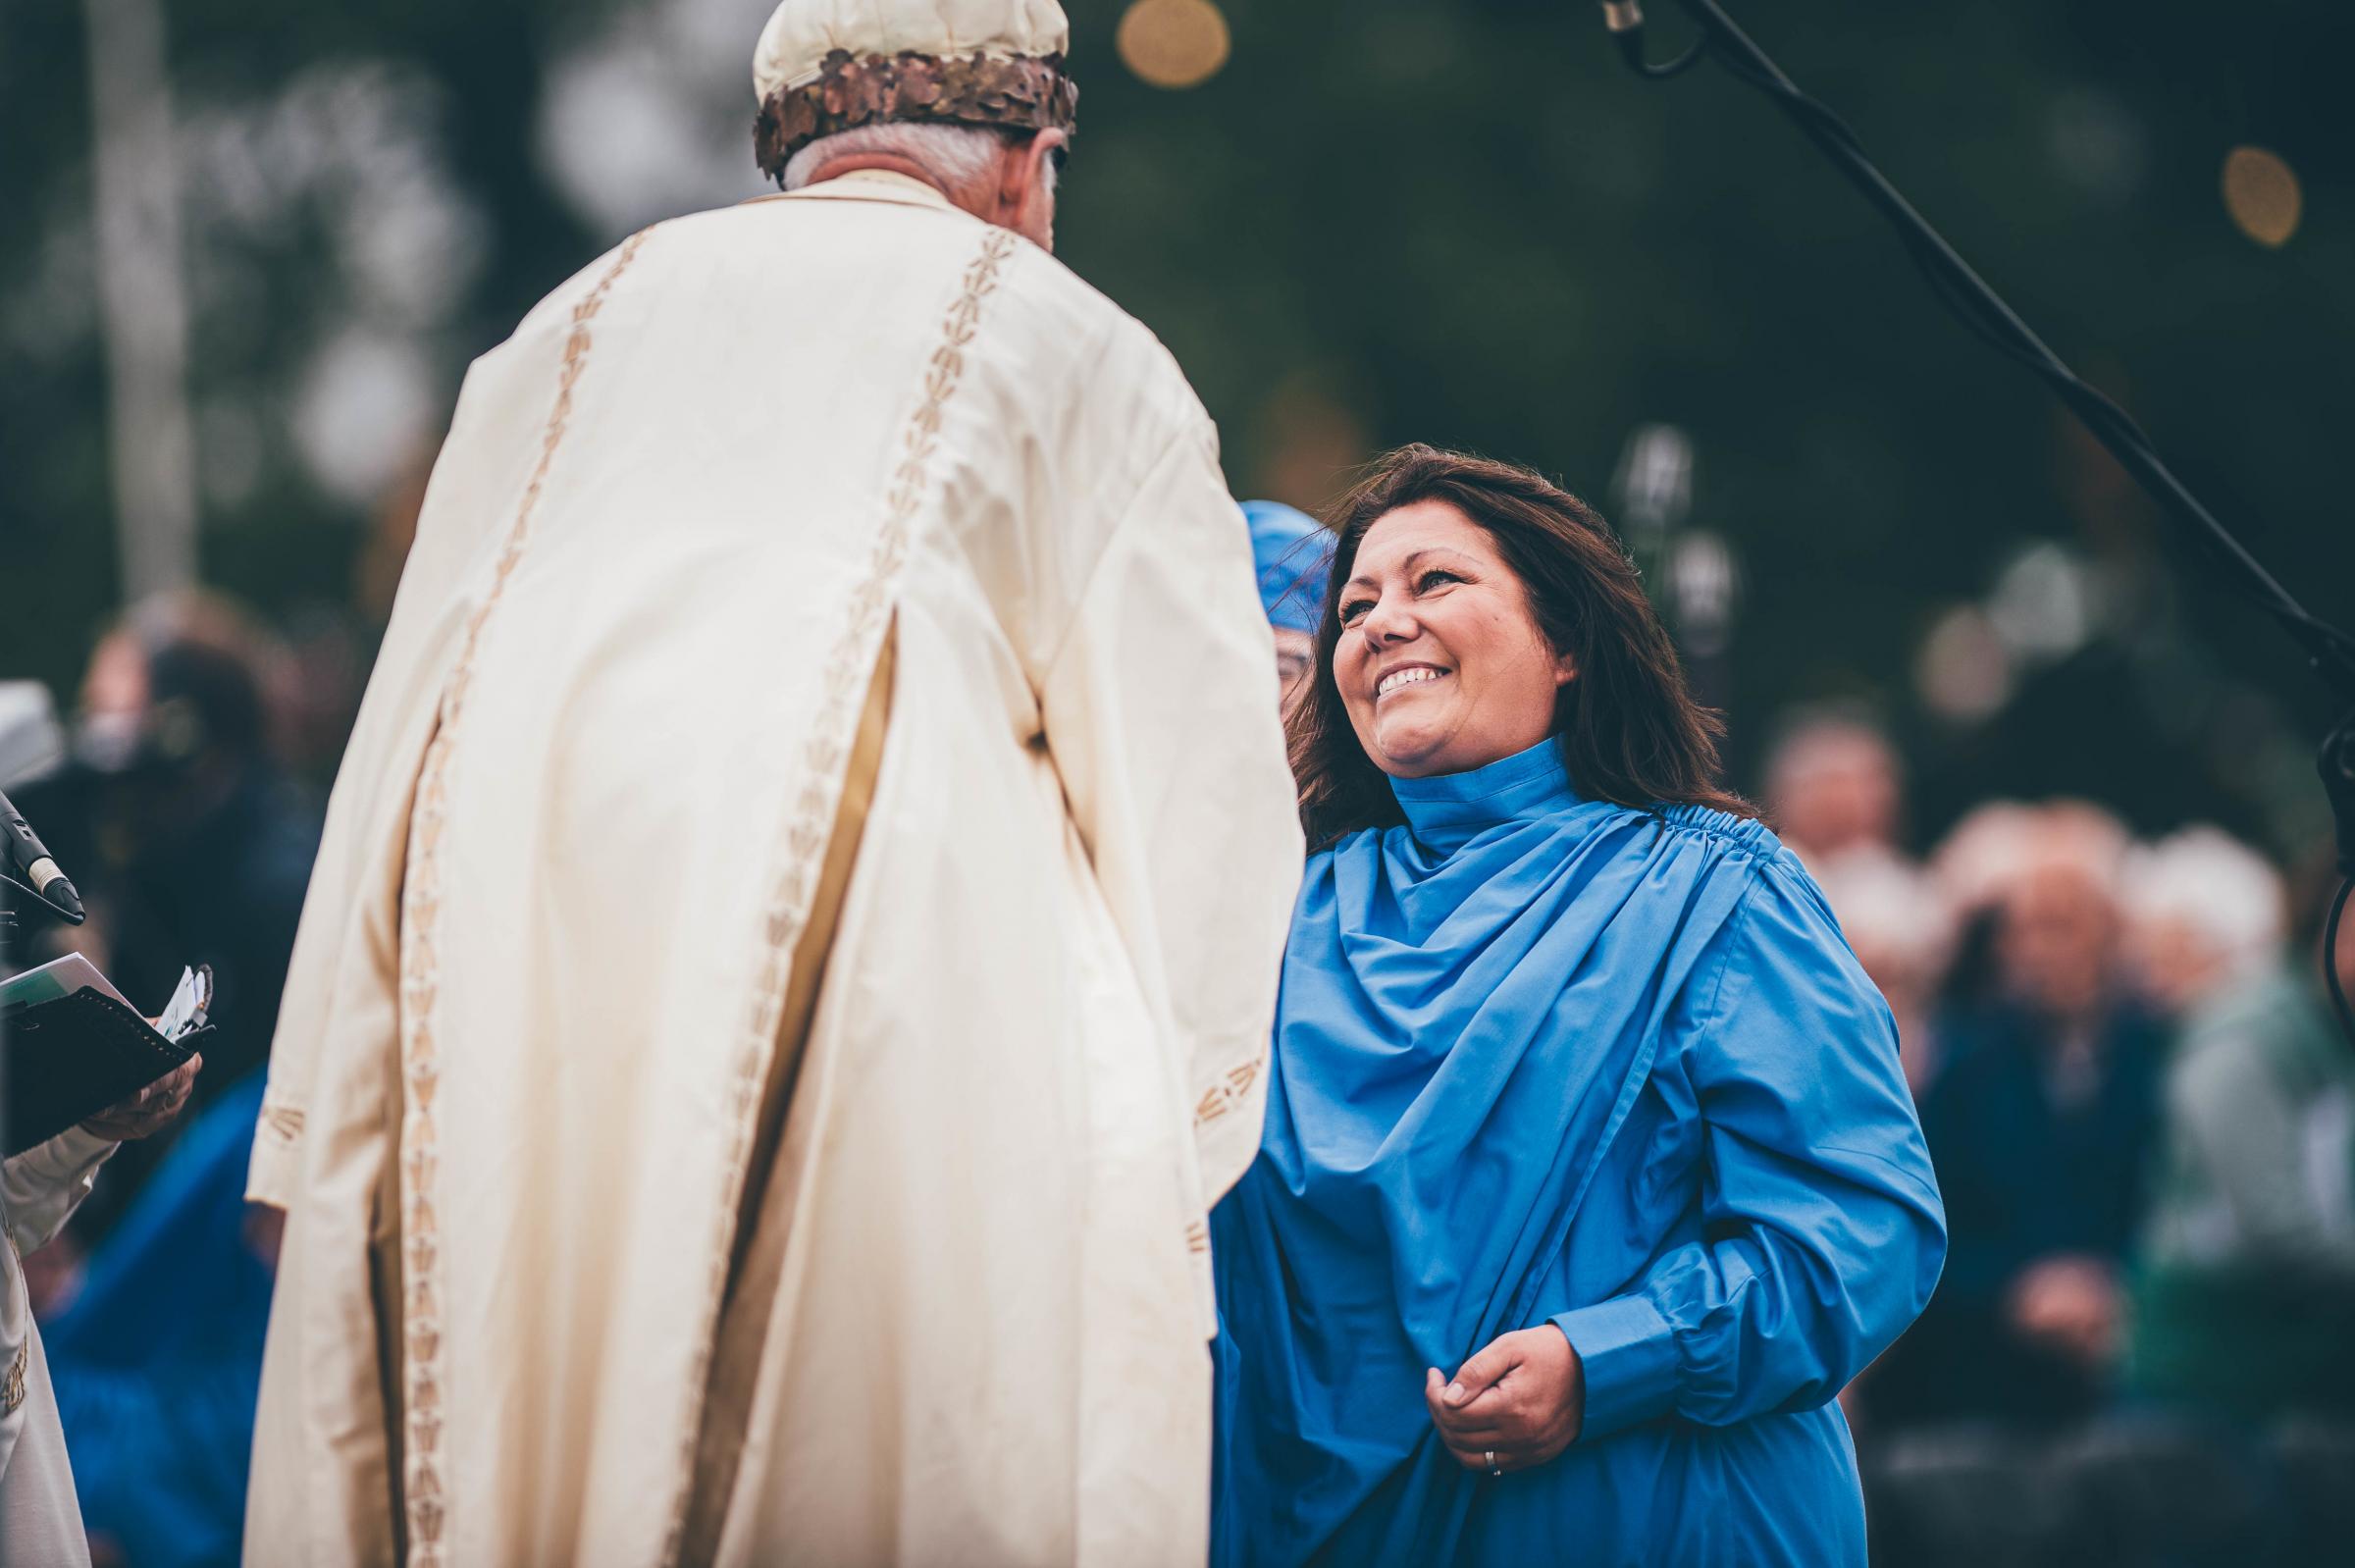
column 1540, row 1058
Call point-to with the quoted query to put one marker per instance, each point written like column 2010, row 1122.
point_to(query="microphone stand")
column 2330, row 652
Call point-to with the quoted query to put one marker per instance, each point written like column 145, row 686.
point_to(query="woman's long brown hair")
column 1627, row 723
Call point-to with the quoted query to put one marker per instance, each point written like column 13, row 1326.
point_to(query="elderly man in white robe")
column 791, row 961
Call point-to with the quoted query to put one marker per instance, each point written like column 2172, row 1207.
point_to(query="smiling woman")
column 1589, row 1173
column 1439, row 663
column 1498, row 609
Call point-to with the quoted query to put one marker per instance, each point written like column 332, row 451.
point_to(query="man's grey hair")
column 2226, row 892
column 960, row 158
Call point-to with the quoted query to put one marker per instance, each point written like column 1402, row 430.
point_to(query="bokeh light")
column 2261, row 192
column 1173, row 43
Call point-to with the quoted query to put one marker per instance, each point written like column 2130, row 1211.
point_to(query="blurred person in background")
column 2042, row 1122
column 1834, row 785
column 1836, row 794
column 1292, row 550
column 1895, row 918
column 1983, row 854
column 2244, row 1299
column 189, row 840
column 199, row 842
column 1979, row 858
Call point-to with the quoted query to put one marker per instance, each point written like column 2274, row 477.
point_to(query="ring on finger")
column 1494, row 1469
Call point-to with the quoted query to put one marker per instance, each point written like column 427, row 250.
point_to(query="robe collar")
column 868, row 185
column 1447, row 809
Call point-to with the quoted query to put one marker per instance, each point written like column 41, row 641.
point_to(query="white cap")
column 802, row 33
column 829, row 65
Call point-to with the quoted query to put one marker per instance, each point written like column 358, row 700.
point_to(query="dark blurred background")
column 2056, row 778
column 1381, row 220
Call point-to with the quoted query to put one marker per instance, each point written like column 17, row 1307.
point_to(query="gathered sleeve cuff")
column 1820, row 1231
column 277, row 1155
column 47, row 1183
column 1627, row 1352
column 1163, row 758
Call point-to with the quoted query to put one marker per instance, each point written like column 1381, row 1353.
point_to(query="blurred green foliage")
column 1461, row 221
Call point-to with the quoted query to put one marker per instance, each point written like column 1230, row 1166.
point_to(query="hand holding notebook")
column 77, row 1051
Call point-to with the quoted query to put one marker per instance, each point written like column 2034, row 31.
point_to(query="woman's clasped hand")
column 1516, row 1404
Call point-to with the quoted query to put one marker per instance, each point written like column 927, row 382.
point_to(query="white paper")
column 58, row 977
column 186, row 1009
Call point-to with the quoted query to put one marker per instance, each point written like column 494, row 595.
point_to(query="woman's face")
column 1440, row 662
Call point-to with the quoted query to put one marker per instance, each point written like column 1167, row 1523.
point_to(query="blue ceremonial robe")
column 1540, row 1058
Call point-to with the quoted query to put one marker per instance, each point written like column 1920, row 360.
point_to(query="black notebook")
column 74, row 1046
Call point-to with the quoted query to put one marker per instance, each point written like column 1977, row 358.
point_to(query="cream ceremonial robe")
column 825, row 609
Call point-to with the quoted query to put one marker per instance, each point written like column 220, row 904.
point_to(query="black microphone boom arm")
column 2329, row 652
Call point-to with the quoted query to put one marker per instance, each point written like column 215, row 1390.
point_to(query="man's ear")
column 1026, row 187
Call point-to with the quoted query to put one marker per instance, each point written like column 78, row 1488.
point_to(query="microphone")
column 1624, row 20
column 32, row 857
